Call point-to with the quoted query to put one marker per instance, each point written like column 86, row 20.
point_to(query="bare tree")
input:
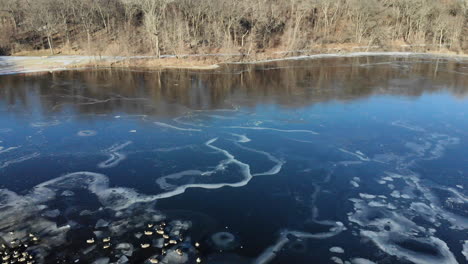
column 154, row 13
column 247, row 26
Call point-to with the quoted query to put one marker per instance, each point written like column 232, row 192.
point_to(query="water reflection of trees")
column 288, row 83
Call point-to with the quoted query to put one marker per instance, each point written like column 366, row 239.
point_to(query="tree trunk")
column 158, row 53
column 49, row 40
column 88, row 33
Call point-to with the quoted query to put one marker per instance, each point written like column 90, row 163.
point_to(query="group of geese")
column 16, row 251
column 160, row 230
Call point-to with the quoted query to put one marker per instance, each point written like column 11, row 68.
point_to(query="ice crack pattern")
column 127, row 169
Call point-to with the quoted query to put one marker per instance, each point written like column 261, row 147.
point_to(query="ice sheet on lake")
column 270, row 253
column 169, row 149
column 229, row 160
column 404, row 124
column 3, row 149
column 45, row 124
column 241, row 138
column 397, row 235
column 115, row 156
column 389, row 224
column 358, row 154
column 86, row 133
column 8, row 162
column 176, row 128
column 276, row 129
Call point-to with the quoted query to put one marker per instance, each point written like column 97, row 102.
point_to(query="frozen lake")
column 359, row 159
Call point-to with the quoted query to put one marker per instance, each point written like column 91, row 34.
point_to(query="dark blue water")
column 332, row 160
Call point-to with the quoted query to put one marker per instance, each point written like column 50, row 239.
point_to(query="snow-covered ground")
column 28, row 64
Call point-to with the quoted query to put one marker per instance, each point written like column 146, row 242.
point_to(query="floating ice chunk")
column 367, row 196
column 459, row 186
column 405, row 196
column 391, row 186
column 101, row 261
column 419, row 250
column 67, row 193
column 174, row 258
column 101, row 223
column 395, row 194
column 377, row 204
column 424, row 210
column 337, row 260
column 337, row 250
column 355, row 184
column 51, row 213
column 158, row 243
column 361, row 261
column 132, row 131
column 122, row 260
column 465, row 249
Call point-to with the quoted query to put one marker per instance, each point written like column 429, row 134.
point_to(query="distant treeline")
column 158, row 27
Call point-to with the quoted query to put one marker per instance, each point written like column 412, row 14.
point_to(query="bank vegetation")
column 180, row 27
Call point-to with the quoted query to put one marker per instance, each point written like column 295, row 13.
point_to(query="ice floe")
column 465, row 249
column 337, row 250
column 361, row 261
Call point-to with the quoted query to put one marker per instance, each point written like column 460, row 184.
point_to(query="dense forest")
column 156, row 27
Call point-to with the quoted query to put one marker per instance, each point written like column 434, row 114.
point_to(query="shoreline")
column 10, row 65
